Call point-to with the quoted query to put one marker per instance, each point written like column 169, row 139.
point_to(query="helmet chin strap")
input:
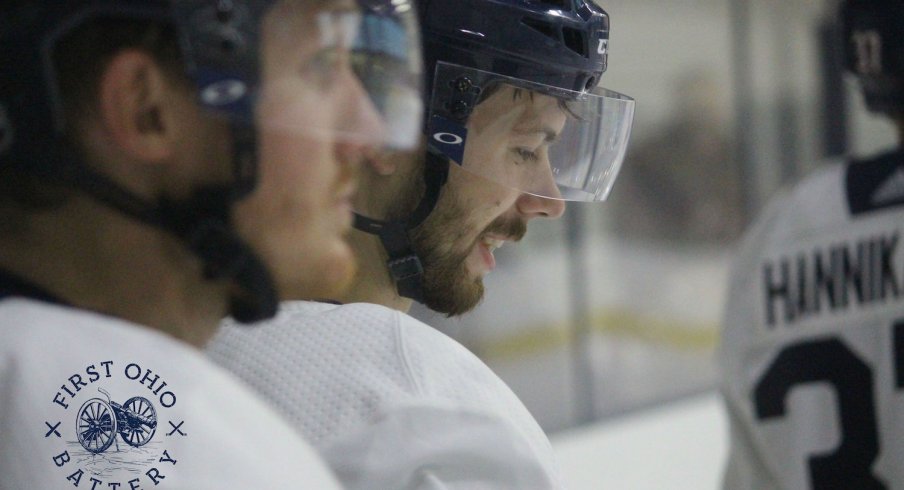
column 404, row 264
column 204, row 224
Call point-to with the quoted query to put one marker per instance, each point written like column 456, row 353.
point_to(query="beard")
column 441, row 243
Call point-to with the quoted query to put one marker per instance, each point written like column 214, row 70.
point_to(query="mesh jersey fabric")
column 212, row 432
column 812, row 338
column 389, row 401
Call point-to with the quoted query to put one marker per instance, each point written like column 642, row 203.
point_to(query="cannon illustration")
column 98, row 421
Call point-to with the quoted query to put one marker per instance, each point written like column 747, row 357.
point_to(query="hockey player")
column 812, row 353
column 516, row 123
column 164, row 164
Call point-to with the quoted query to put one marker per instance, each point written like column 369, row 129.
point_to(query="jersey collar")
column 12, row 285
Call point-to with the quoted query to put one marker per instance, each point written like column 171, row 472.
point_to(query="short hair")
column 79, row 59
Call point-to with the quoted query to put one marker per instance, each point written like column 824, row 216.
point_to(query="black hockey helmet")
column 553, row 48
column 873, row 33
column 219, row 43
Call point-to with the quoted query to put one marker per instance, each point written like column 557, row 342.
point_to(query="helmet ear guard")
column 873, row 35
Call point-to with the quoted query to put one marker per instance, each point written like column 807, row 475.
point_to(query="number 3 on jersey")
column 829, row 360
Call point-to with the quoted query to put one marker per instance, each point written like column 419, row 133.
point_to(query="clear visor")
column 537, row 139
column 343, row 70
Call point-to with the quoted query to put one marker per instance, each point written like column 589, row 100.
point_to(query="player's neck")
column 372, row 283
column 94, row 258
column 394, row 183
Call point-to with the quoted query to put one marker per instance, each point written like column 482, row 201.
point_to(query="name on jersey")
column 829, row 279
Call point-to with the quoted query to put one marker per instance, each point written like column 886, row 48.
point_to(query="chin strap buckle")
column 404, row 265
column 408, row 274
column 403, row 269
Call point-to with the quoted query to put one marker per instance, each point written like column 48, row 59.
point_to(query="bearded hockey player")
column 517, row 124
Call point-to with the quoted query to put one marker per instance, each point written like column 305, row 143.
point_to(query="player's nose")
column 534, row 206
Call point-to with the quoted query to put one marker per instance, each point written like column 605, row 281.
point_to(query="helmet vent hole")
column 574, row 40
column 542, row 27
column 557, row 4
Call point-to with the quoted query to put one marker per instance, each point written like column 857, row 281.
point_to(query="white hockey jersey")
column 390, row 402
column 88, row 401
column 812, row 352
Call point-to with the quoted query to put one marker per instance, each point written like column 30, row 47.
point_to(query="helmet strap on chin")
column 219, row 46
column 404, row 265
column 203, row 222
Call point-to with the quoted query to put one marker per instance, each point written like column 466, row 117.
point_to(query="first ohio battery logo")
column 112, row 426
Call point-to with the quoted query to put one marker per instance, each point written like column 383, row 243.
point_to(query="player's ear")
column 135, row 106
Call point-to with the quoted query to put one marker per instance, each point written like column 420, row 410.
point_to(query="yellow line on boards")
column 613, row 323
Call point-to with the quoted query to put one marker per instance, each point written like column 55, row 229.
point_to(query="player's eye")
column 526, row 154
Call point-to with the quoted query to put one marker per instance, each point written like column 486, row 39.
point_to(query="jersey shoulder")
column 63, row 366
column 327, row 368
column 845, row 212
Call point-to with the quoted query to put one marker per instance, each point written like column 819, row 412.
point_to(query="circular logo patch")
column 112, row 427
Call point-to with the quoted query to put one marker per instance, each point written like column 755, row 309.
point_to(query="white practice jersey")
column 390, row 402
column 812, row 352
column 92, row 402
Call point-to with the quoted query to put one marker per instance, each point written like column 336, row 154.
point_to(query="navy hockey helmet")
column 556, row 43
column 873, row 33
column 555, row 50
column 219, row 44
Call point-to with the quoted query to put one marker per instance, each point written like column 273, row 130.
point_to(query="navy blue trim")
column 329, row 302
column 864, row 178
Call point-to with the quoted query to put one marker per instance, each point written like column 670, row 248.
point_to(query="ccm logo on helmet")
column 603, row 46
column 448, row 138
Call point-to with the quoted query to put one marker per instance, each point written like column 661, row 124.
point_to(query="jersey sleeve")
column 389, row 401
column 452, row 423
column 428, row 445
column 450, row 377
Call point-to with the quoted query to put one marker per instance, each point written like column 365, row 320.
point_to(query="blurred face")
column 508, row 135
column 310, row 102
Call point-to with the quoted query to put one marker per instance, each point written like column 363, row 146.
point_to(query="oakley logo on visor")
column 448, row 137
column 6, row 131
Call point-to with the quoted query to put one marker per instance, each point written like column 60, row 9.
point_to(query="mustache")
column 513, row 228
